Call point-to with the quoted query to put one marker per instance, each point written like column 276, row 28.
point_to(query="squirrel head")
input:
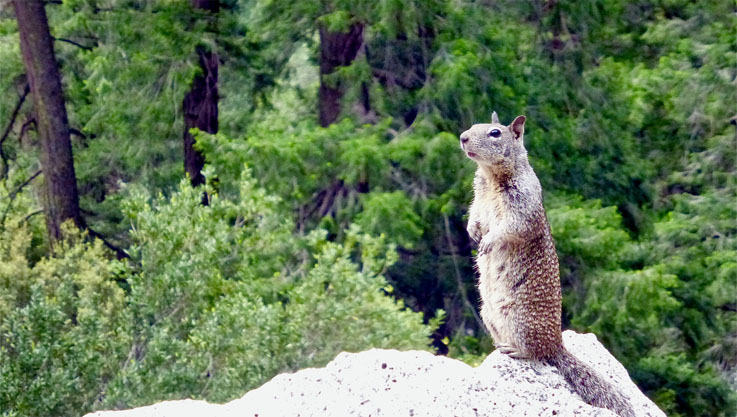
column 494, row 145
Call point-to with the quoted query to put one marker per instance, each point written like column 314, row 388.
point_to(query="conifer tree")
column 61, row 201
column 337, row 49
column 200, row 105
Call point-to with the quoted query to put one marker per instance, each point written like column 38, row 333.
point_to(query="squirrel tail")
column 587, row 383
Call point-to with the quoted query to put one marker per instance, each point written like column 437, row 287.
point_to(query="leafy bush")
column 215, row 300
column 64, row 328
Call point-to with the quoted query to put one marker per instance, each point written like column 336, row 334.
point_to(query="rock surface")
column 392, row 383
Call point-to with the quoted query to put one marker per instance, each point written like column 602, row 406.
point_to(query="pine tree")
column 61, row 200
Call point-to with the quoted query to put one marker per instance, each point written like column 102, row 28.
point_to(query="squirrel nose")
column 464, row 137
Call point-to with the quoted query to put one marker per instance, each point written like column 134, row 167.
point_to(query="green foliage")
column 215, row 300
column 586, row 233
column 659, row 305
column 126, row 67
column 341, row 307
column 629, row 109
column 64, row 327
column 405, row 225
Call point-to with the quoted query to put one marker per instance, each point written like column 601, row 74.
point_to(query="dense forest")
column 196, row 195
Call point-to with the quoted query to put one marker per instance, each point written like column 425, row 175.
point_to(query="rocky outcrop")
column 392, row 383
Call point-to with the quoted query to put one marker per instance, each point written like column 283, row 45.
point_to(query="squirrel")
column 519, row 280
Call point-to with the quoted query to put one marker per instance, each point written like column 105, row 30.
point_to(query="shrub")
column 215, row 300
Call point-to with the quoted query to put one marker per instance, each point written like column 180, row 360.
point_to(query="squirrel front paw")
column 487, row 244
column 474, row 231
column 485, row 247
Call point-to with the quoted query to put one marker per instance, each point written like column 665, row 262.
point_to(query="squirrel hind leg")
column 511, row 351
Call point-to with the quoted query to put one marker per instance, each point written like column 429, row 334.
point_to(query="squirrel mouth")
column 471, row 154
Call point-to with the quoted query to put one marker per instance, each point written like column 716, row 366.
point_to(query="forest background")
column 264, row 183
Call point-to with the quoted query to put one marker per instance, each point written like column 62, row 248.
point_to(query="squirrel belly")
column 519, row 279
column 520, row 306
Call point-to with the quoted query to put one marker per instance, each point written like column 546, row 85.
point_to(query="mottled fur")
column 519, row 281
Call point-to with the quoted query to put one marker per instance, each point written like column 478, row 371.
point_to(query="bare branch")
column 74, row 131
column 26, row 125
column 6, row 132
column 11, row 196
column 85, row 47
column 25, row 219
column 391, row 78
column 119, row 252
column 15, row 112
column 18, row 189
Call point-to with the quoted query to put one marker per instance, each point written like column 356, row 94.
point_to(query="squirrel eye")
column 495, row 133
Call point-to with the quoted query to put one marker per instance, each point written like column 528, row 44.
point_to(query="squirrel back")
column 519, row 280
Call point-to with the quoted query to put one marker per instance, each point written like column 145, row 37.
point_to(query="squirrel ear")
column 494, row 118
column 518, row 126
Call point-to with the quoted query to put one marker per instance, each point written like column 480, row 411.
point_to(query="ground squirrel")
column 519, row 281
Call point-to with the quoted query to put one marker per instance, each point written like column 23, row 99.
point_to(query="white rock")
column 392, row 383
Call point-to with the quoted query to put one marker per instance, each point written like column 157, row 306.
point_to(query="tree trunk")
column 200, row 105
column 60, row 188
column 337, row 49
